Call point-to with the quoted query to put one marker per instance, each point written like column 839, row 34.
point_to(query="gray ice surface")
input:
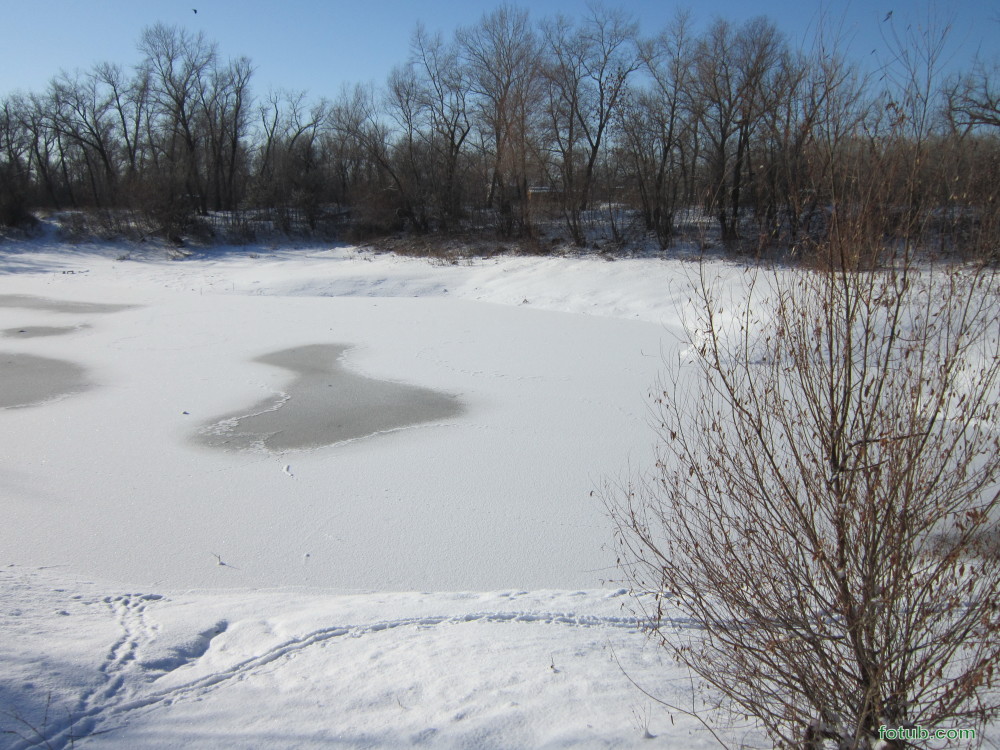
column 325, row 404
column 26, row 380
column 34, row 332
column 27, row 302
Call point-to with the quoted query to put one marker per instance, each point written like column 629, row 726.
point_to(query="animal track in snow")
column 125, row 670
column 133, row 665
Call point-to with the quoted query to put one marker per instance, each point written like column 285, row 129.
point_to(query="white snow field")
column 168, row 581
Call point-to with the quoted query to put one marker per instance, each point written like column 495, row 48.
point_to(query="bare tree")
column 445, row 91
column 657, row 127
column 502, row 56
column 179, row 64
column 15, row 157
column 805, row 137
column 971, row 178
column 734, row 68
column 80, row 111
column 586, row 73
column 45, row 157
column 130, row 100
column 289, row 169
column 412, row 160
column 975, row 99
column 381, row 194
column 224, row 119
column 825, row 505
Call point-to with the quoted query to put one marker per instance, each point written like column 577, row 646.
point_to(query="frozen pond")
column 325, row 404
column 316, row 435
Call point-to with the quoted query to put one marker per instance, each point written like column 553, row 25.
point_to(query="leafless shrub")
column 824, row 501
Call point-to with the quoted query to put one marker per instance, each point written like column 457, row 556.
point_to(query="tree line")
column 563, row 127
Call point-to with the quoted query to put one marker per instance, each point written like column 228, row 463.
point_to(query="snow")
column 158, row 591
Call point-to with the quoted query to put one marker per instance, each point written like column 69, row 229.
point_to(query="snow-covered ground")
column 159, row 589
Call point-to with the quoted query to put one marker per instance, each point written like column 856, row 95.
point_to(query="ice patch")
column 326, row 404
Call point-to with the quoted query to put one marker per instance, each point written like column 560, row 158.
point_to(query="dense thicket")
column 572, row 128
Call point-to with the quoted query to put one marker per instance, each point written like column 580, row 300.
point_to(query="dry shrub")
column 827, row 476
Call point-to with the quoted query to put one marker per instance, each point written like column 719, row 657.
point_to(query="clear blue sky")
column 319, row 45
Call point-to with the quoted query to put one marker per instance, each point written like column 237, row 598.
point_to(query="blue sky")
column 318, row 45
